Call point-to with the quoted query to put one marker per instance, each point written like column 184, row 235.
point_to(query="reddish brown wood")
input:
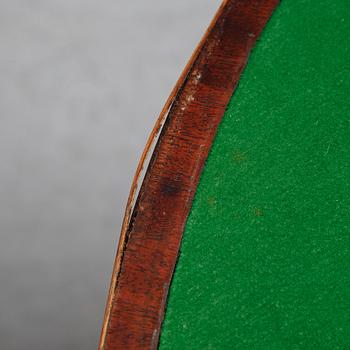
column 154, row 234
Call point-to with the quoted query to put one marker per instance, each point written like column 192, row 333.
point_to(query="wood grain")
column 149, row 248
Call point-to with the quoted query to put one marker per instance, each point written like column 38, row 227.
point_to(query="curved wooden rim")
column 152, row 228
column 140, row 167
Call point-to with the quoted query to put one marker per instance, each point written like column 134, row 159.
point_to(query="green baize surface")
column 265, row 257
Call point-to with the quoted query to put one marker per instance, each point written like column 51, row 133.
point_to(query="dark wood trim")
column 151, row 236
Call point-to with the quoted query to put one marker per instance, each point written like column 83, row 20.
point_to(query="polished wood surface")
column 149, row 248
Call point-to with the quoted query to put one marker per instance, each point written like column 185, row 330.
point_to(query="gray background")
column 81, row 84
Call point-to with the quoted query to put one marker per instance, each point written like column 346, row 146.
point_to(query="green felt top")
column 265, row 258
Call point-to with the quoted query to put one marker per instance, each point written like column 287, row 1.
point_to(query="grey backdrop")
column 81, row 84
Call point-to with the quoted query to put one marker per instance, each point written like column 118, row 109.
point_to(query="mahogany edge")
column 141, row 164
column 150, row 142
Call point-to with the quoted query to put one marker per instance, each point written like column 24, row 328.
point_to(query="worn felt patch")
column 265, row 257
